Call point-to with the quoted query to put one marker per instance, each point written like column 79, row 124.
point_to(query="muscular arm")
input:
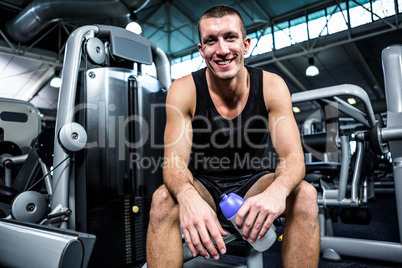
column 198, row 220
column 285, row 137
column 265, row 207
column 176, row 176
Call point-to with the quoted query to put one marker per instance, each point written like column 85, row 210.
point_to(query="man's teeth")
column 224, row 62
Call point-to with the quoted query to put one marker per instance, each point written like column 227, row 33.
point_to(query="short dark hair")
column 220, row 11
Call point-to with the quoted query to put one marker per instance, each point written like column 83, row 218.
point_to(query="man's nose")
column 223, row 48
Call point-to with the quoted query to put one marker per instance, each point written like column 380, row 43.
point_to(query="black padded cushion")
column 328, row 168
column 7, row 194
column 28, row 172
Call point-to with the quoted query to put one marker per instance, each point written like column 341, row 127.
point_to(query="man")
column 217, row 121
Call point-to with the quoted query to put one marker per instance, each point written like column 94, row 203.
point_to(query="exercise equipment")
column 108, row 152
column 21, row 190
column 381, row 139
column 56, row 247
column 117, row 114
column 20, row 122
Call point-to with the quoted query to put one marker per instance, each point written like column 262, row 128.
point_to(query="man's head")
column 223, row 41
column 220, row 11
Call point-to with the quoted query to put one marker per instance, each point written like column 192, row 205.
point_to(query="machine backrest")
column 20, row 122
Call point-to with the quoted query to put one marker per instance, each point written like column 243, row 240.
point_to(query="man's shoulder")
column 182, row 82
column 182, row 91
column 271, row 79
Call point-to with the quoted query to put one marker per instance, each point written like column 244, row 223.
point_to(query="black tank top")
column 230, row 148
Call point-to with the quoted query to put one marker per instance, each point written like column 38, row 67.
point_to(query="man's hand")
column 261, row 211
column 199, row 223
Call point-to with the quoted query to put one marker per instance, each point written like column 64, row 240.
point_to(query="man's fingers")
column 248, row 224
column 258, row 228
column 217, row 237
column 268, row 223
column 221, row 247
column 207, row 241
column 241, row 214
column 195, row 238
column 187, row 239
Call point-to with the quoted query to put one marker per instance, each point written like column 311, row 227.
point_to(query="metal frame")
column 43, row 237
column 72, row 61
column 392, row 134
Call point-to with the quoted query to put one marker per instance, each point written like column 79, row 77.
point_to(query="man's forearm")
column 178, row 181
column 290, row 172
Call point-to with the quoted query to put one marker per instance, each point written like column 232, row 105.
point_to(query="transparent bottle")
column 229, row 205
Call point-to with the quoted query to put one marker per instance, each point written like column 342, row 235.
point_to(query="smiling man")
column 220, row 121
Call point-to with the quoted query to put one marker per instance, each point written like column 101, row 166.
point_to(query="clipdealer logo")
column 113, row 132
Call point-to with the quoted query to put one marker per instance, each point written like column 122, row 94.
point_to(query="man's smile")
column 224, row 62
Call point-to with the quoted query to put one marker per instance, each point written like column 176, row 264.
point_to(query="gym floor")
column 383, row 227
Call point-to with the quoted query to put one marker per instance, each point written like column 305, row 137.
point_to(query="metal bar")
column 357, row 170
column 15, row 160
column 392, row 69
column 349, row 110
column 48, row 179
column 391, row 133
column 363, row 248
column 8, row 41
column 339, row 90
column 344, row 174
column 65, row 113
column 162, row 66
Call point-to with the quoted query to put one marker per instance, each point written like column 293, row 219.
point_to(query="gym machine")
column 108, row 154
column 381, row 139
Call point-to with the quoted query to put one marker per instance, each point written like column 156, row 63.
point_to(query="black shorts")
column 218, row 186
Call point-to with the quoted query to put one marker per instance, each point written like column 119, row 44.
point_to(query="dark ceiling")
column 352, row 56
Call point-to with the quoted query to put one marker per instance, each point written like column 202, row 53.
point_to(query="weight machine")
column 381, row 139
column 108, row 149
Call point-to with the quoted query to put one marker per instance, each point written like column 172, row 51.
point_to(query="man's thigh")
column 204, row 193
column 266, row 180
column 260, row 185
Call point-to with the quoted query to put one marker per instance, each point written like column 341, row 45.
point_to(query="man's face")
column 223, row 46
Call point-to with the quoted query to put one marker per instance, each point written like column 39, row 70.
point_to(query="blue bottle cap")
column 230, row 204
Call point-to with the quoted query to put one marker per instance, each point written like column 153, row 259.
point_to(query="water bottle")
column 229, row 205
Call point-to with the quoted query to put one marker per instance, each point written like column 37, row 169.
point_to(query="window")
column 317, row 24
column 282, row 35
column 359, row 14
column 326, row 21
column 383, row 8
column 337, row 18
column 298, row 30
column 263, row 45
column 186, row 64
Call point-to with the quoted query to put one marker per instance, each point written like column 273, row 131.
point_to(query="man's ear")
column 199, row 46
column 247, row 44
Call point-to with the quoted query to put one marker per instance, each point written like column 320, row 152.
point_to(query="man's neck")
column 230, row 96
column 230, row 89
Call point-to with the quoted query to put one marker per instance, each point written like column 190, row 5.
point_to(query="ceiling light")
column 134, row 27
column 296, row 109
column 351, row 101
column 312, row 70
column 55, row 82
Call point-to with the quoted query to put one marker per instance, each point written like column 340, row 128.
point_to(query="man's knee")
column 306, row 200
column 163, row 206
